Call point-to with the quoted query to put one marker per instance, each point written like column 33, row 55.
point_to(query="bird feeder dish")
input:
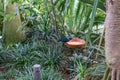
column 75, row 43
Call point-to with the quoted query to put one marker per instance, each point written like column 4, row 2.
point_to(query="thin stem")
column 106, row 74
column 54, row 15
column 100, row 42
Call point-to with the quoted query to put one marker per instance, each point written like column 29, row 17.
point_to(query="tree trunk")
column 112, row 36
column 12, row 26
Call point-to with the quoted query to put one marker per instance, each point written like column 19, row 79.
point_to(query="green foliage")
column 44, row 21
column 48, row 74
column 20, row 56
column 79, row 18
column 1, row 12
column 27, row 74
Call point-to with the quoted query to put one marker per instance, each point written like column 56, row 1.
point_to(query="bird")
column 64, row 39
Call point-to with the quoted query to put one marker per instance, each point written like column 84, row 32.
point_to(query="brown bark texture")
column 112, row 34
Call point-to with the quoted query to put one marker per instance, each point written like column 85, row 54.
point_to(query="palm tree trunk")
column 112, row 37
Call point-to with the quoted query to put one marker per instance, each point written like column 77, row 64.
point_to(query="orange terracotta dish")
column 75, row 43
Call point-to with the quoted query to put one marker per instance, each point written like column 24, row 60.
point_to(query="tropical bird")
column 64, row 39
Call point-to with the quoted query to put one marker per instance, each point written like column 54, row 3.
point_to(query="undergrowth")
column 44, row 22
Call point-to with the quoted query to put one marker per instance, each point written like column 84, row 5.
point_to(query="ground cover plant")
column 44, row 22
